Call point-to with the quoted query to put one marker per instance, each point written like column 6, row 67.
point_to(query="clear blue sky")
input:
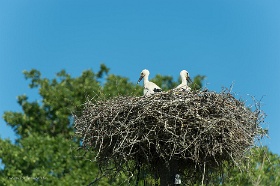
column 228, row 41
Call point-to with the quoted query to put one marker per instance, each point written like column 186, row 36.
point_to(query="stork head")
column 144, row 73
column 185, row 74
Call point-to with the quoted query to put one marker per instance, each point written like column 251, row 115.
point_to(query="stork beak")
column 189, row 80
column 141, row 77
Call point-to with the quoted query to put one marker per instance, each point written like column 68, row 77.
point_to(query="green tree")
column 51, row 115
column 262, row 167
column 45, row 152
column 45, row 148
column 117, row 86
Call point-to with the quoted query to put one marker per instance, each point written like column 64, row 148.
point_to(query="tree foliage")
column 45, row 152
column 261, row 168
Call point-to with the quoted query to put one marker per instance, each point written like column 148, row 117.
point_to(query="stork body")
column 185, row 79
column 149, row 87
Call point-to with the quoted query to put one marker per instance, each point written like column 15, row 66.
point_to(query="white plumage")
column 149, row 87
column 185, row 79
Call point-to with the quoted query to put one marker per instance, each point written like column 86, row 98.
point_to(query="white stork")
column 149, row 87
column 185, row 80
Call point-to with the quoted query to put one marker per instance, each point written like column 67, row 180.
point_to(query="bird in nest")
column 185, row 76
column 149, row 87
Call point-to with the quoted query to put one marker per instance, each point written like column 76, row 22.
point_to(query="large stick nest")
column 200, row 130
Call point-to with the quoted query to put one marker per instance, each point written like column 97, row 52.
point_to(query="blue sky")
column 231, row 42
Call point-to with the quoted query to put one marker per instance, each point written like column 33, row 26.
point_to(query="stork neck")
column 184, row 81
column 146, row 79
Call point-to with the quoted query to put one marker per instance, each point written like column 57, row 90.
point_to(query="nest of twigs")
column 197, row 130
